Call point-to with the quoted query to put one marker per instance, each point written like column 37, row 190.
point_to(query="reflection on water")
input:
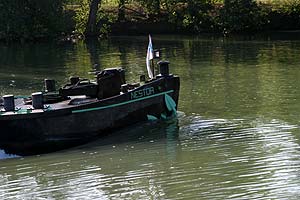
column 236, row 137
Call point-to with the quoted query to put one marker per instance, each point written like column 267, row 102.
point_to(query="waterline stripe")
column 22, row 97
column 123, row 103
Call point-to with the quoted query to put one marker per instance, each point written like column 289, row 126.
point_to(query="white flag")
column 149, row 57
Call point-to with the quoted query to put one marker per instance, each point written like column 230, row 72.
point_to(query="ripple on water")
column 203, row 159
column 254, row 158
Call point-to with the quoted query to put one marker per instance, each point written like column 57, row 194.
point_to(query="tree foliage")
column 242, row 15
column 151, row 6
column 193, row 15
column 31, row 18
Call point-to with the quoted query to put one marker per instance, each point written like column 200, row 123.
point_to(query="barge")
column 84, row 110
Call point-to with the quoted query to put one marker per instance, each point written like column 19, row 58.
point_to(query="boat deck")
column 24, row 108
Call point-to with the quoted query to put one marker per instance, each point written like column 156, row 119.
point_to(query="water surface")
column 236, row 136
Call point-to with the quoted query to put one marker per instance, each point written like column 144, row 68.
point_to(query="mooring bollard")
column 142, row 78
column 49, row 85
column 74, row 80
column 9, row 102
column 37, row 100
column 163, row 68
column 124, row 88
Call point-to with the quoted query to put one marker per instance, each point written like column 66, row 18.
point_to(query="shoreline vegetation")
column 64, row 20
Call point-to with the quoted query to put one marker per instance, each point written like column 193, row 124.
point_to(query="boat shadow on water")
column 150, row 131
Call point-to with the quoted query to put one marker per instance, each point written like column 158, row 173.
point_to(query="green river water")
column 236, row 135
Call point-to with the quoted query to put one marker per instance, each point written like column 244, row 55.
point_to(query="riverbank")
column 218, row 17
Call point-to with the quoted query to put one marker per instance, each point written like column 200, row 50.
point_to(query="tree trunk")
column 91, row 28
column 157, row 6
column 121, row 13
